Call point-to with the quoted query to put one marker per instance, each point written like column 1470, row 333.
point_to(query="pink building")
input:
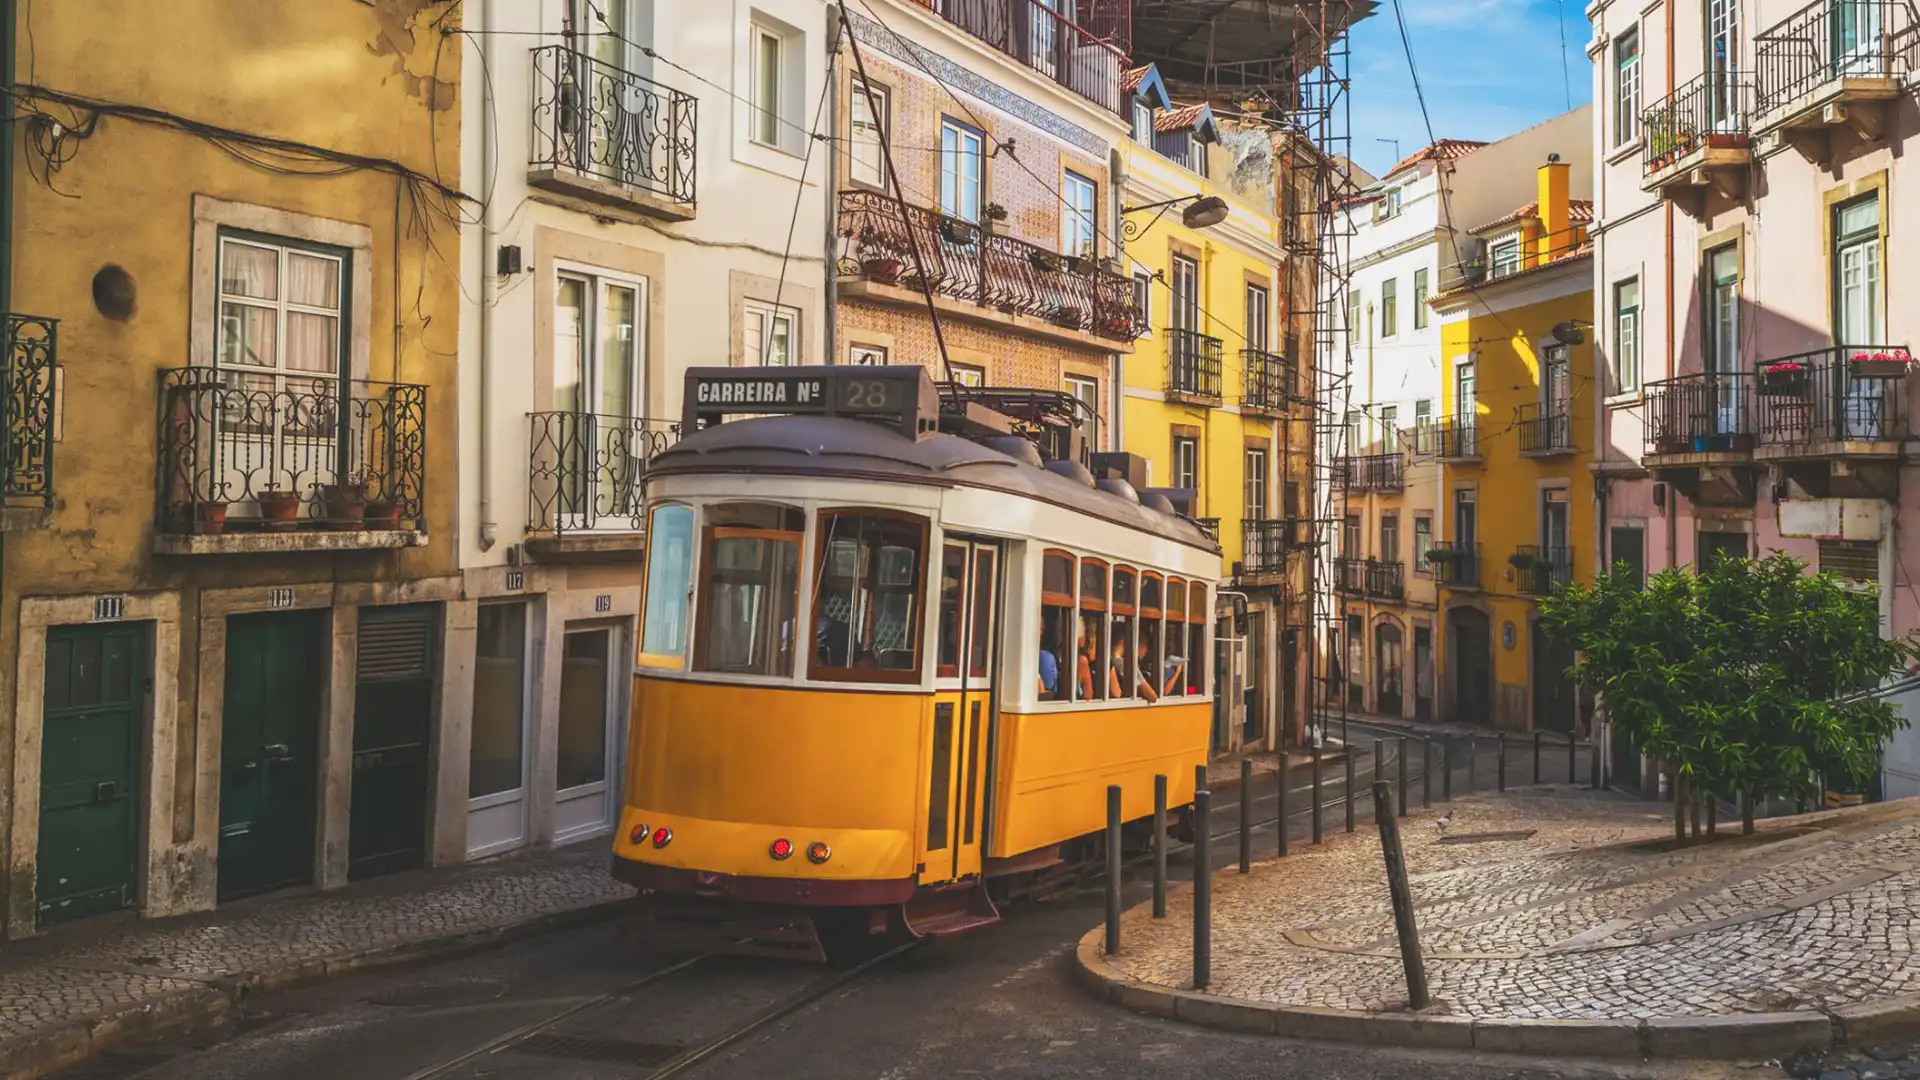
column 1751, row 160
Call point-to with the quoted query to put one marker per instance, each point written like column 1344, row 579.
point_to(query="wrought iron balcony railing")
column 1541, row 569
column 587, row 472
column 1265, row 543
column 1828, row 40
column 1350, row 576
column 1210, row 526
column 1711, row 110
column 1455, row 438
column 599, row 120
column 1085, row 57
column 260, row 451
column 1386, row 579
column 32, row 353
column 1456, row 564
column 1545, row 430
column 1700, row 413
column 1843, row 393
column 969, row 262
column 1193, row 366
column 1271, row 382
column 1382, row 472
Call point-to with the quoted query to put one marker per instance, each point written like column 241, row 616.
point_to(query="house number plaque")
column 603, row 602
column 516, row 580
column 280, row 597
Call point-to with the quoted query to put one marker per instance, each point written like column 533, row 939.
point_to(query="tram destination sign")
column 902, row 394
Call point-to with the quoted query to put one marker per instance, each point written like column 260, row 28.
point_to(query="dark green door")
column 392, row 710
column 269, row 751
column 90, row 770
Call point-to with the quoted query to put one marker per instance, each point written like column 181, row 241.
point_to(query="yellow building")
column 1209, row 392
column 1517, row 486
column 223, row 621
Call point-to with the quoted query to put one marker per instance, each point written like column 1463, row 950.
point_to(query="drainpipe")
column 488, row 151
column 1666, row 254
column 832, row 306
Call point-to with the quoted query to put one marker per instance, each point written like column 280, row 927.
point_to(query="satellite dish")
column 1568, row 334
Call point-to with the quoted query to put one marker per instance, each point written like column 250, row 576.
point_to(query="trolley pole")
column 1160, row 846
column 1246, row 815
column 1202, row 891
column 1284, row 761
column 1113, row 869
column 1402, row 893
column 1316, row 796
column 1402, row 766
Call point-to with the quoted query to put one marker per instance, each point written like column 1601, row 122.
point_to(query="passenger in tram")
column 1118, row 669
column 1083, row 667
column 1176, row 675
column 1049, row 669
column 834, row 640
column 1147, row 689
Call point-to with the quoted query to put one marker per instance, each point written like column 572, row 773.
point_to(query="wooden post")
column 1402, row 894
column 1113, row 869
column 1160, row 846
column 1746, row 813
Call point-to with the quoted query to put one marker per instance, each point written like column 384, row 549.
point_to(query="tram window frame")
column 985, row 569
column 1151, row 626
column 1093, row 623
column 1199, row 611
column 868, row 582
column 658, row 611
column 1174, row 613
column 779, row 660
column 1123, row 620
column 1059, row 619
column 952, row 613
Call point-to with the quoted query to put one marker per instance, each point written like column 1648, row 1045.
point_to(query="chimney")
column 1556, row 236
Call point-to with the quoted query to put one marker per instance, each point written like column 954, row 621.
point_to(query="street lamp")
column 1202, row 212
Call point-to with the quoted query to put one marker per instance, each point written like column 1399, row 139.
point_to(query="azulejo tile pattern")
column 1595, row 915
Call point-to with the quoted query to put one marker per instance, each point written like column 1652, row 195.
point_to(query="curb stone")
column 1752, row 1035
column 197, row 1011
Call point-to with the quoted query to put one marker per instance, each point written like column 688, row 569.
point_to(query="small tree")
column 1746, row 677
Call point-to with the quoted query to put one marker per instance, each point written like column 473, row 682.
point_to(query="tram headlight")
column 818, row 852
column 781, row 849
column 638, row 835
column 662, row 836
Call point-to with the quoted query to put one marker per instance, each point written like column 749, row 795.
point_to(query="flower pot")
column 1790, row 382
column 1520, row 562
column 958, row 232
column 1067, row 318
column 1079, row 264
column 883, row 271
column 1874, row 367
column 1042, row 260
column 209, row 518
column 383, row 514
column 279, row 509
column 346, row 506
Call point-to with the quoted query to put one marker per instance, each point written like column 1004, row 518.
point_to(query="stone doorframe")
column 162, row 867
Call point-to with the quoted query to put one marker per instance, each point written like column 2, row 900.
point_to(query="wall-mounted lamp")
column 1569, row 332
column 1202, row 212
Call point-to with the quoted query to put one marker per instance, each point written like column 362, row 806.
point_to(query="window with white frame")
column 1389, row 307
column 1197, row 154
column 872, row 355
column 1505, row 257
column 598, row 373
column 281, row 314
column 774, row 88
column 1142, row 122
column 1079, row 204
column 1420, row 299
column 1257, row 317
column 1387, row 206
column 1626, row 86
column 1256, row 501
column 962, row 170
column 1186, row 462
column 1086, row 391
column 771, row 337
column 968, row 374
column 867, row 126
column 1626, row 336
column 1143, row 299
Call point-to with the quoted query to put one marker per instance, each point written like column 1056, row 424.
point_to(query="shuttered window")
column 395, row 646
column 1855, row 560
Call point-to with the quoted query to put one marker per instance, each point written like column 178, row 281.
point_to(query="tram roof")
column 846, row 448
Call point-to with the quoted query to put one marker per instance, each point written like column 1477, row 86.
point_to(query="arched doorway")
column 1470, row 664
column 1389, row 670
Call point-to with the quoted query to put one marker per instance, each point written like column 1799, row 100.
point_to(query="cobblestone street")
column 1554, row 903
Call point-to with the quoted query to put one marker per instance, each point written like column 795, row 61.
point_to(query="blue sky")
column 1489, row 68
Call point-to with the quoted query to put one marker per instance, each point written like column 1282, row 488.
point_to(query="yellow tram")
column 882, row 664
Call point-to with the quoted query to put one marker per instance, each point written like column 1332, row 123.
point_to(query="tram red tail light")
column 638, row 835
column 662, row 836
column 780, row 849
column 818, row 852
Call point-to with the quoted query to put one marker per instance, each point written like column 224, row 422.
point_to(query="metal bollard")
column 1202, row 894
column 1160, row 846
column 1446, row 771
column 1426, row 773
column 1113, row 869
column 1500, row 762
column 1316, row 795
column 1473, row 764
column 1349, row 787
column 1573, row 760
column 1593, row 760
column 1246, row 815
column 1379, row 759
column 1401, row 764
column 1536, row 756
column 1285, row 760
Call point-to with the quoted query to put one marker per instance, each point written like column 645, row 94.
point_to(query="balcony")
column 1086, row 59
column 32, row 353
column 261, row 462
column 1271, row 383
column 1541, row 569
column 998, row 278
column 1386, row 580
column 1455, row 564
column 1193, row 367
column 1210, row 526
column 612, row 138
column 1696, row 139
column 1545, row 433
column 1832, row 420
column 1265, row 544
column 1834, row 64
column 586, row 480
column 1350, row 576
column 1700, row 419
column 1456, row 439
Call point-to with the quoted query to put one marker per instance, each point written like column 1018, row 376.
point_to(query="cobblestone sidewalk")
column 1560, row 904
column 78, row 988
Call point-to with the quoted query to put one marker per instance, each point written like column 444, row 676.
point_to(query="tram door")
column 963, row 709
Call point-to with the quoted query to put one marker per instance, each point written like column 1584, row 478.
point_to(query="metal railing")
column 1382, row 472
column 1386, row 579
column 1080, row 58
column 970, row 262
column 1265, row 543
column 1706, row 411
column 1544, row 431
column 1193, row 365
column 1350, row 575
column 1828, row 40
column 1456, row 564
column 1210, row 526
column 1541, row 569
column 32, row 354
column 597, row 119
column 1824, row 396
column 1456, row 438
column 587, row 472
column 1271, row 382
column 260, row 450
column 1711, row 109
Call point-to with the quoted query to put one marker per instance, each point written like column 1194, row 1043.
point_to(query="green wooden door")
column 90, row 770
column 392, row 721
column 269, row 751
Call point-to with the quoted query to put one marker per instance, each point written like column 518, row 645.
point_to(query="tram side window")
column 1090, row 676
column 1125, row 680
column 953, row 579
column 749, row 590
column 1197, row 618
column 1173, row 672
column 866, row 608
column 1056, row 666
column 663, row 636
column 1150, row 677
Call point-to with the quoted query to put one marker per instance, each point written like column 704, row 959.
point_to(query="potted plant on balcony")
column 1079, row 264
column 1667, row 138
column 1783, row 378
column 880, row 257
column 383, row 513
column 992, row 216
column 1067, row 317
column 346, row 504
column 1437, row 555
column 1117, row 324
column 280, row 510
column 1044, row 261
column 1880, row 365
column 210, row 518
column 1523, row 560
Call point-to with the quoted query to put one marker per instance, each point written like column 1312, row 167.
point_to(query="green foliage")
column 1744, row 676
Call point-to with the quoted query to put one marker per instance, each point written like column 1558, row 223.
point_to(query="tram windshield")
column 750, row 590
column 866, row 608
